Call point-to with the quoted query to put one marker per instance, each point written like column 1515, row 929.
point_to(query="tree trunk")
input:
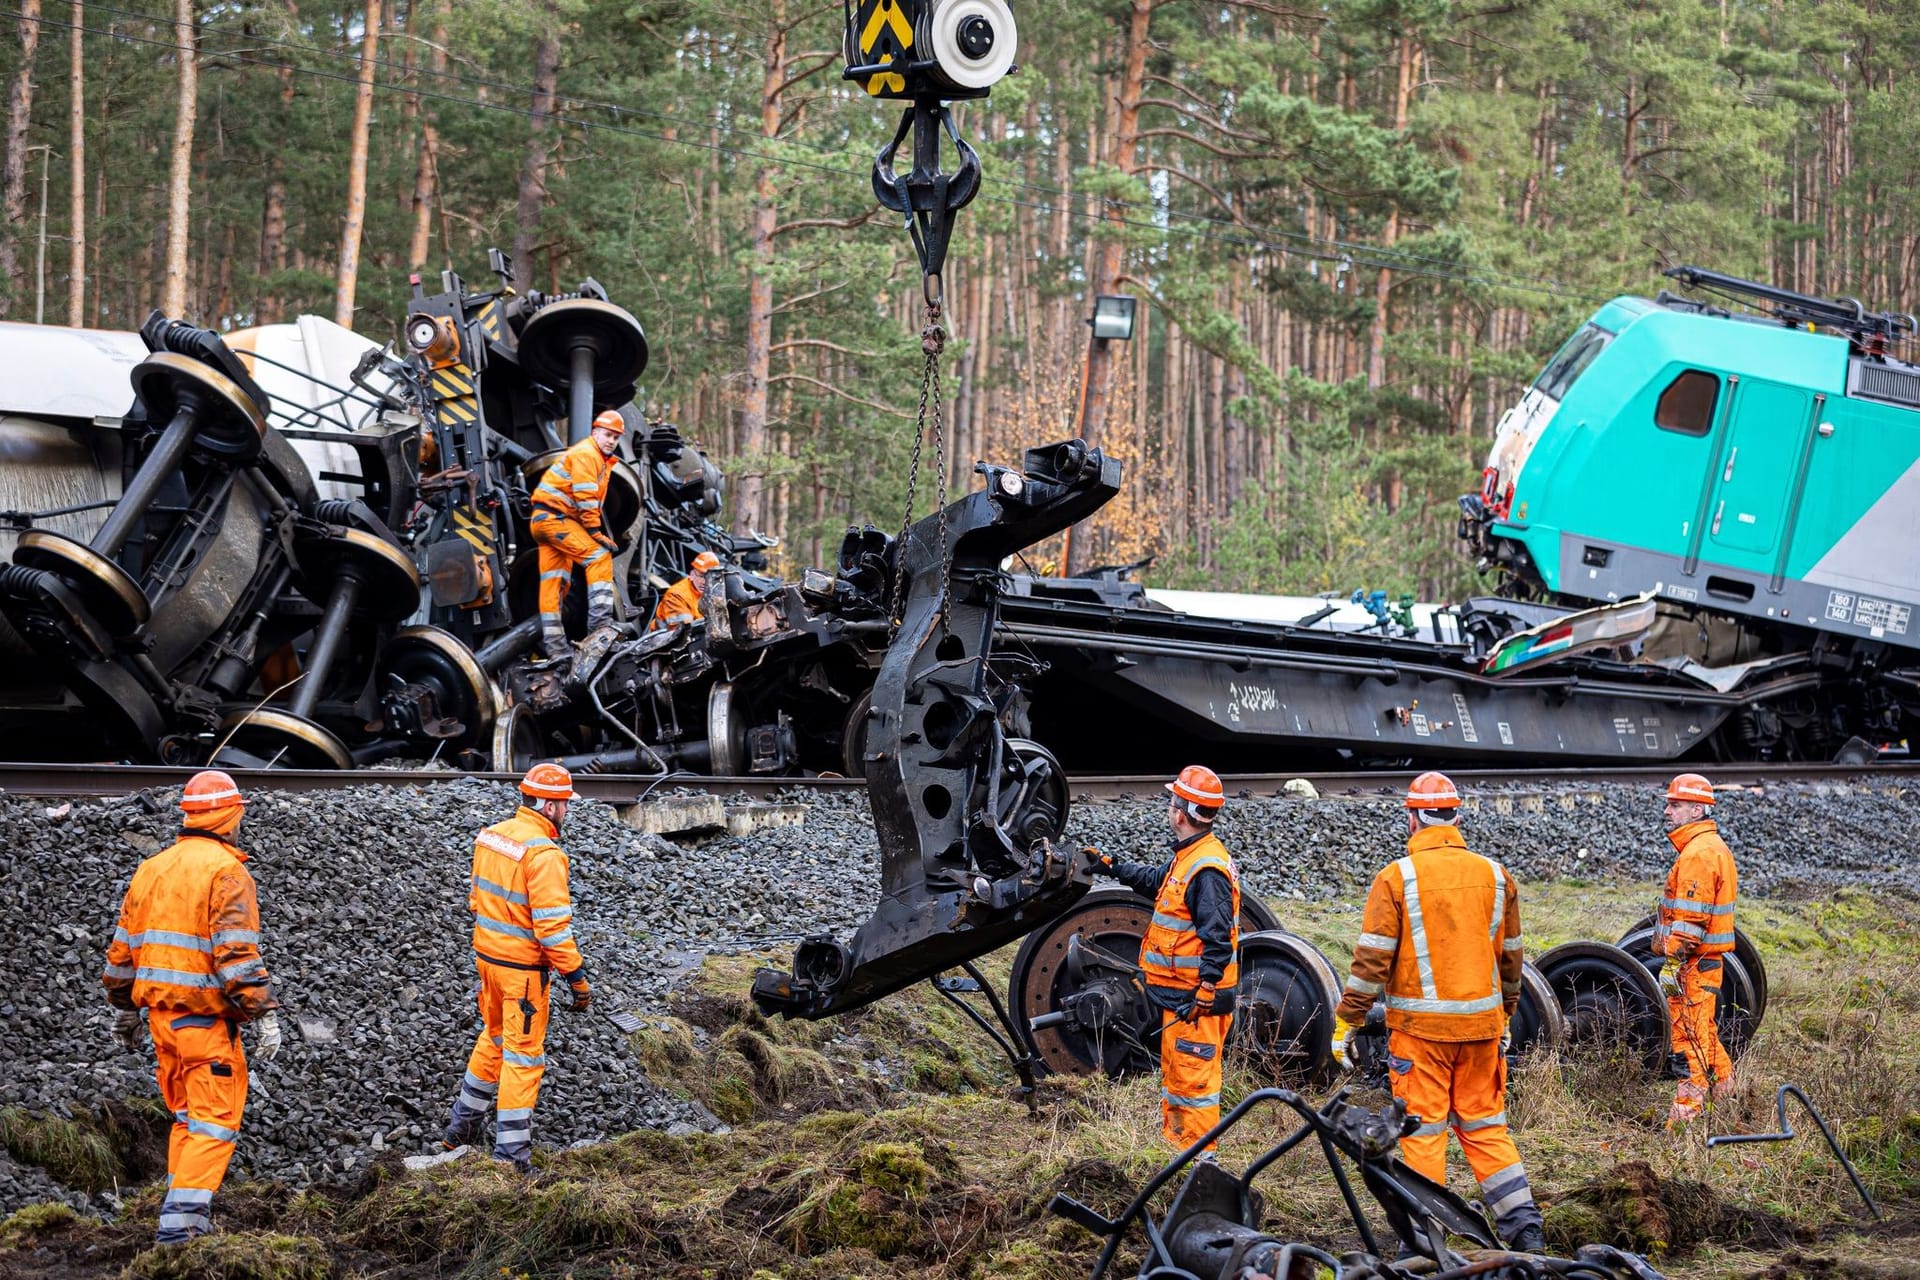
column 425, row 179
column 1111, row 252
column 759, row 357
column 77, row 172
column 186, row 34
column 533, row 176
column 19, row 117
column 348, row 277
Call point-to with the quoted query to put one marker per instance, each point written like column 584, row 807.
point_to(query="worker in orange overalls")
column 1693, row 930
column 566, row 528
column 187, row 950
column 1441, row 941
column 1190, row 955
column 680, row 603
column 522, row 936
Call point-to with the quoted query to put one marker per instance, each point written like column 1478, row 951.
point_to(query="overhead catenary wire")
column 1163, row 221
column 1347, row 247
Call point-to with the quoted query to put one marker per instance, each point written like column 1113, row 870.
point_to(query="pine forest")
column 1355, row 229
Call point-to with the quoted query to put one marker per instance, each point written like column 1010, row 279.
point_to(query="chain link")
column 933, row 341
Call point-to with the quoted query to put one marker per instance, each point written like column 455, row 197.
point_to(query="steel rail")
column 113, row 780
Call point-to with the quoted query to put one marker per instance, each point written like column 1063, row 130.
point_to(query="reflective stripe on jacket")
column 1440, row 940
column 1171, row 952
column 1696, row 912
column 188, row 938
column 522, row 911
column 576, row 485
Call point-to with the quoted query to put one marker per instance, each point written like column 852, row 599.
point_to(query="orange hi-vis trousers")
column 564, row 543
column 1190, row 1061
column 203, row 1079
column 1696, row 1034
column 508, row 1060
column 1462, row 1086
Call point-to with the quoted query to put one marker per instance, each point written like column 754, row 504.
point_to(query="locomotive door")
column 1756, row 467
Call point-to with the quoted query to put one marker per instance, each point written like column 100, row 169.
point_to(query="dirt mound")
column 1634, row 1208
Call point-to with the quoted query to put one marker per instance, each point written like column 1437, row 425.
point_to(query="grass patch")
column 25, row 1225
column 74, row 1153
column 247, row 1255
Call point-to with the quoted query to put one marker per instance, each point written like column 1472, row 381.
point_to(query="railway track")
column 109, row 780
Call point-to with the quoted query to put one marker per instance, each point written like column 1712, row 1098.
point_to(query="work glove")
column 1669, row 982
column 1102, row 862
column 582, row 992
column 266, row 1043
column 1342, row 1033
column 128, row 1028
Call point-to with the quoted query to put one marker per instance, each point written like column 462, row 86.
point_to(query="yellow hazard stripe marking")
column 490, row 320
column 462, row 409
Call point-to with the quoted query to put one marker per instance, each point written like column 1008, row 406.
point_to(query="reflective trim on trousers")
column 1417, row 926
column 1507, row 1191
column 1204, row 1100
column 208, row 1129
column 525, row 1060
column 1474, row 1126
column 1414, row 1004
column 1428, row 1130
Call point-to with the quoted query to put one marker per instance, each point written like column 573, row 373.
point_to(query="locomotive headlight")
column 974, row 41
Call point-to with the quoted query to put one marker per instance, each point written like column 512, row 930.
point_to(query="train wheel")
column 1082, row 962
column 433, row 659
column 1735, row 1014
column 1537, row 1019
column 1609, row 997
column 516, row 740
column 278, row 739
column 1743, row 949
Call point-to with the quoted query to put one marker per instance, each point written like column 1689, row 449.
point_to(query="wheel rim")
column 1607, row 996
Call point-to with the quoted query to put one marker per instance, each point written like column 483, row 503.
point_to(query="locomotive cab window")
column 1686, row 405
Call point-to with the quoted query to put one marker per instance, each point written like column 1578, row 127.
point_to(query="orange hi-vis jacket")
column 522, row 911
column 576, row 485
column 678, row 601
column 1696, row 913
column 188, row 938
column 1170, row 954
column 1441, row 940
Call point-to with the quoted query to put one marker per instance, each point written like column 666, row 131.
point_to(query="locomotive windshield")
column 1571, row 360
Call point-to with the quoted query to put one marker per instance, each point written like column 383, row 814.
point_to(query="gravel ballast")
column 366, row 932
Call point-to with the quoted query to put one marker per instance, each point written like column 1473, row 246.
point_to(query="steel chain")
column 933, row 341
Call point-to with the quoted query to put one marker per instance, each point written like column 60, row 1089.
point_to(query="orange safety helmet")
column 1432, row 790
column 1199, row 785
column 706, row 562
column 548, row 781
column 1690, row 787
column 611, row 420
column 208, row 790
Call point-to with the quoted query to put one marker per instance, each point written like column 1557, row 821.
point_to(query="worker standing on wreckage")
column 1693, row 930
column 1190, row 955
column 566, row 526
column 1441, row 941
column 187, row 950
column 522, row 936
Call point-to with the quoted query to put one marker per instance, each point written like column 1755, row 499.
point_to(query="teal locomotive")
column 1750, row 456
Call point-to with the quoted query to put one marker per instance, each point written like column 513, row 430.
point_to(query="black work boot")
column 1529, row 1239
